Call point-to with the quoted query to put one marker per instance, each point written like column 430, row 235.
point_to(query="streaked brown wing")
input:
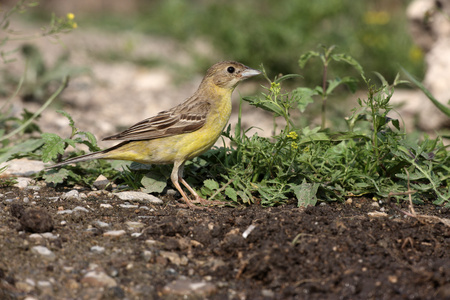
column 180, row 119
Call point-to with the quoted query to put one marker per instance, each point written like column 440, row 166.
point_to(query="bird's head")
column 228, row 74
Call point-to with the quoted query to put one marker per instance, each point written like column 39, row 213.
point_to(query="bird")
column 181, row 133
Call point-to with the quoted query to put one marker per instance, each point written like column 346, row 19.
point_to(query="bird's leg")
column 174, row 177
column 198, row 199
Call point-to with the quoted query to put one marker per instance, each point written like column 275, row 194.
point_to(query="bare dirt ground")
column 101, row 247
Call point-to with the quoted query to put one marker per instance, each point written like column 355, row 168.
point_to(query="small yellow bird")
column 182, row 132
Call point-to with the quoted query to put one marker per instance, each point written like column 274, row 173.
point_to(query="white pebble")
column 114, row 233
column 138, row 196
column 44, row 252
column 80, row 208
column 98, row 249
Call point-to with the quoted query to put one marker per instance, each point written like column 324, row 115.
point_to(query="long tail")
column 90, row 156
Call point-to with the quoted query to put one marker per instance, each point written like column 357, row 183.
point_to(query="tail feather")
column 86, row 157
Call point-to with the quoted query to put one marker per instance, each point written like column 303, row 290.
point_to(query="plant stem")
column 40, row 110
column 324, row 94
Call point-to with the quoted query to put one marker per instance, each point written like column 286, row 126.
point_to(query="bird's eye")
column 231, row 70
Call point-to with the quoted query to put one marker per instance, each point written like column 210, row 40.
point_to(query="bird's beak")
column 249, row 73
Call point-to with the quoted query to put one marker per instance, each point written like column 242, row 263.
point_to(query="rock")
column 45, row 286
column 102, row 183
column 98, row 279
column 377, row 214
column 97, row 249
column 44, row 252
column 129, row 206
column 106, row 205
column 138, row 196
column 71, row 195
column 80, row 209
column 22, row 167
column 186, row 287
column 114, row 233
column 174, row 258
column 134, row 225
column 23, row 182
column 101, row 224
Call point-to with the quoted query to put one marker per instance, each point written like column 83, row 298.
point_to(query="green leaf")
column 231, row 193
column 306, row 57
column 303, row 97
column 56, row 175
column 27, row 146
column 65, row 114
column 349, row 81
column 211, row 184
column 54, row 145
column 153, row 182
column 348, row 59
column 306, row 193
column 287, row 76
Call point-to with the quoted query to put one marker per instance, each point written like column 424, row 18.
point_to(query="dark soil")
column 332, row 251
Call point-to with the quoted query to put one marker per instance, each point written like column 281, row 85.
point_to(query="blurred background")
column 271, row 32
column 140, row 57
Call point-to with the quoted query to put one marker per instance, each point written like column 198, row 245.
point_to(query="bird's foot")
column 205, row 202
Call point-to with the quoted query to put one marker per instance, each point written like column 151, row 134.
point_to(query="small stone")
column 36, row 236
column 375, row 204
column 138, row 196
column 80, row 208
column 71, row 195
column 65, row 212
column 128, row 206
column 24, row 286
column 98, row 279
column 23, row 182
column 101, row 224
column 114, row 233
column 106, row 205
column 44, row 252
column 185, row 287
column 45, row 286
column 377, row 214
column 349, row 201
column 393, row 279
column 97, row 249
column 175, row 258
column 49, row 235
column 267, row 293
column 102, row 183
column 134, row 225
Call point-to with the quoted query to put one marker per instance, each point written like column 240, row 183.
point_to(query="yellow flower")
column 292, row 135
column 294, row 145
column 275, row 87
column 70, row 16
column 74, row 25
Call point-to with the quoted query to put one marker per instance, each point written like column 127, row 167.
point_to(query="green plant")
column 54, row 147
column 372, row 157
